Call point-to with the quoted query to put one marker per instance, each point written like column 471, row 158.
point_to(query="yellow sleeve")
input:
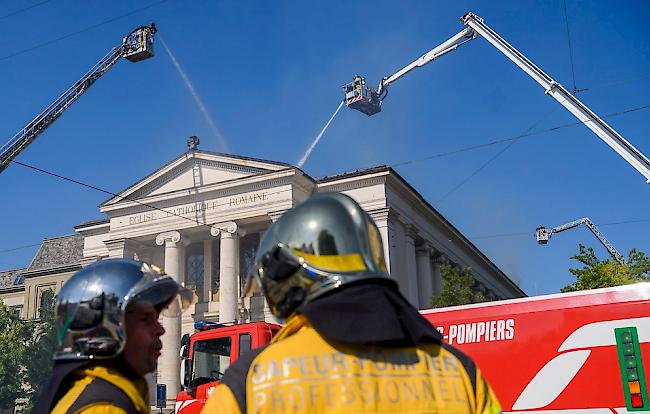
column 101, row 408
column 486, row 400
column 222, row 401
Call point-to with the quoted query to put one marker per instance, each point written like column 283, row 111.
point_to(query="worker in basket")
column 108, row 337
column 351, row 342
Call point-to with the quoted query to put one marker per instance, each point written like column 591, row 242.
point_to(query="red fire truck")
column 206, row 354
column 573, row 352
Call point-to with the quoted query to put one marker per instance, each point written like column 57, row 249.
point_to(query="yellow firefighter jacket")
column 302, row 372
column 100, row 390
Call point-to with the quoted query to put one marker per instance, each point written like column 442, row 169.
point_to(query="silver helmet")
column 324, row 243
column 91, row 306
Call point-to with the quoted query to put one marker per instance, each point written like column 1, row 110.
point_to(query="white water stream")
column 197, row 98
column 318, row 137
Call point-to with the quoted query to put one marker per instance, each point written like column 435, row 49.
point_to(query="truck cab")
column 206, row 354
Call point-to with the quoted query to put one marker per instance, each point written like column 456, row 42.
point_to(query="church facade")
column 200, row 218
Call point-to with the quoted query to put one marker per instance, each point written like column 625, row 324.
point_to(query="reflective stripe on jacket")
column 99, row 390
column 305, row 373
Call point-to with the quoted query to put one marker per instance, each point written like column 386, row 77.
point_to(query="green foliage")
column 39, row 365
column 26, row 349
column 15, row 334
column 458, row 288
column 597, row 273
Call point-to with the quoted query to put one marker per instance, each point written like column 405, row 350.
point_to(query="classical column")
column 397, row 249
column 438, row 259
column 411, row 288
column 229, row 234
column 425, row 275
column 169, row 361
column 268, row 315
column 381, row 218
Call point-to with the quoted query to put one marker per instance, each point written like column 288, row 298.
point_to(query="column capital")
column 411, row 231
column 275, row 215
column 120, row 248
column 227, row 227
column 440, row 258
column 168, row 237
column 382, row 214
column 425, row 248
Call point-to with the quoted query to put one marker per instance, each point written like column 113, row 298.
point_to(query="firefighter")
column 351, row 342
column 108, row 337
column 358, row 85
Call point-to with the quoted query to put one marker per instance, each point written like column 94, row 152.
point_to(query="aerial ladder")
column 543, row 236
column 360, row 96
column 136, row 46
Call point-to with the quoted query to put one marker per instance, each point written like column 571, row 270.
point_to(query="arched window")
column 45, row 301
column 194, row 268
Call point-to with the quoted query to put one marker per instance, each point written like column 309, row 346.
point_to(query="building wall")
column 14, row 298
column 35, row 286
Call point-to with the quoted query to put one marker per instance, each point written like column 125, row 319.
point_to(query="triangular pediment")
column 195, row 169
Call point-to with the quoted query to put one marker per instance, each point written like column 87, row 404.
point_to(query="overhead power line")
column 24, row 9
column 487, row 236
column 492, row 236
column 616, row 223
column 466, row 149
column 490, row 160
column 532, row 232
column 13, row 249
column 618, row 82
column 498, row 235
column 568, row 35
column 101, row 190
column 513, row 138
column 85, row 29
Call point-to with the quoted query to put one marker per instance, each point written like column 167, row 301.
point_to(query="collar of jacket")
column 136, row 390
column 60, row 377
column 53, row 391
column 369, row 313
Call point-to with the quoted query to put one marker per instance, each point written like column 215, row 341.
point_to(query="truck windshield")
column 210, row 359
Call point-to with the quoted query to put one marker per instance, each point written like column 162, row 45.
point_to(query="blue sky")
column 270, row 74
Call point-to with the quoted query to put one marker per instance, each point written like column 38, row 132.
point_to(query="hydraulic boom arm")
column 138, row 45
column 363, row 98
column 544, row 235
column 453, row 43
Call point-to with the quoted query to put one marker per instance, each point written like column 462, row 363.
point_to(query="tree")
column 41, row 347
column 14, row 337
column 458, row 288
column 26, row 349
column 596, row 273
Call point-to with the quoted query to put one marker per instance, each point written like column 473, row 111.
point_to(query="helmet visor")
column 161, row 291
